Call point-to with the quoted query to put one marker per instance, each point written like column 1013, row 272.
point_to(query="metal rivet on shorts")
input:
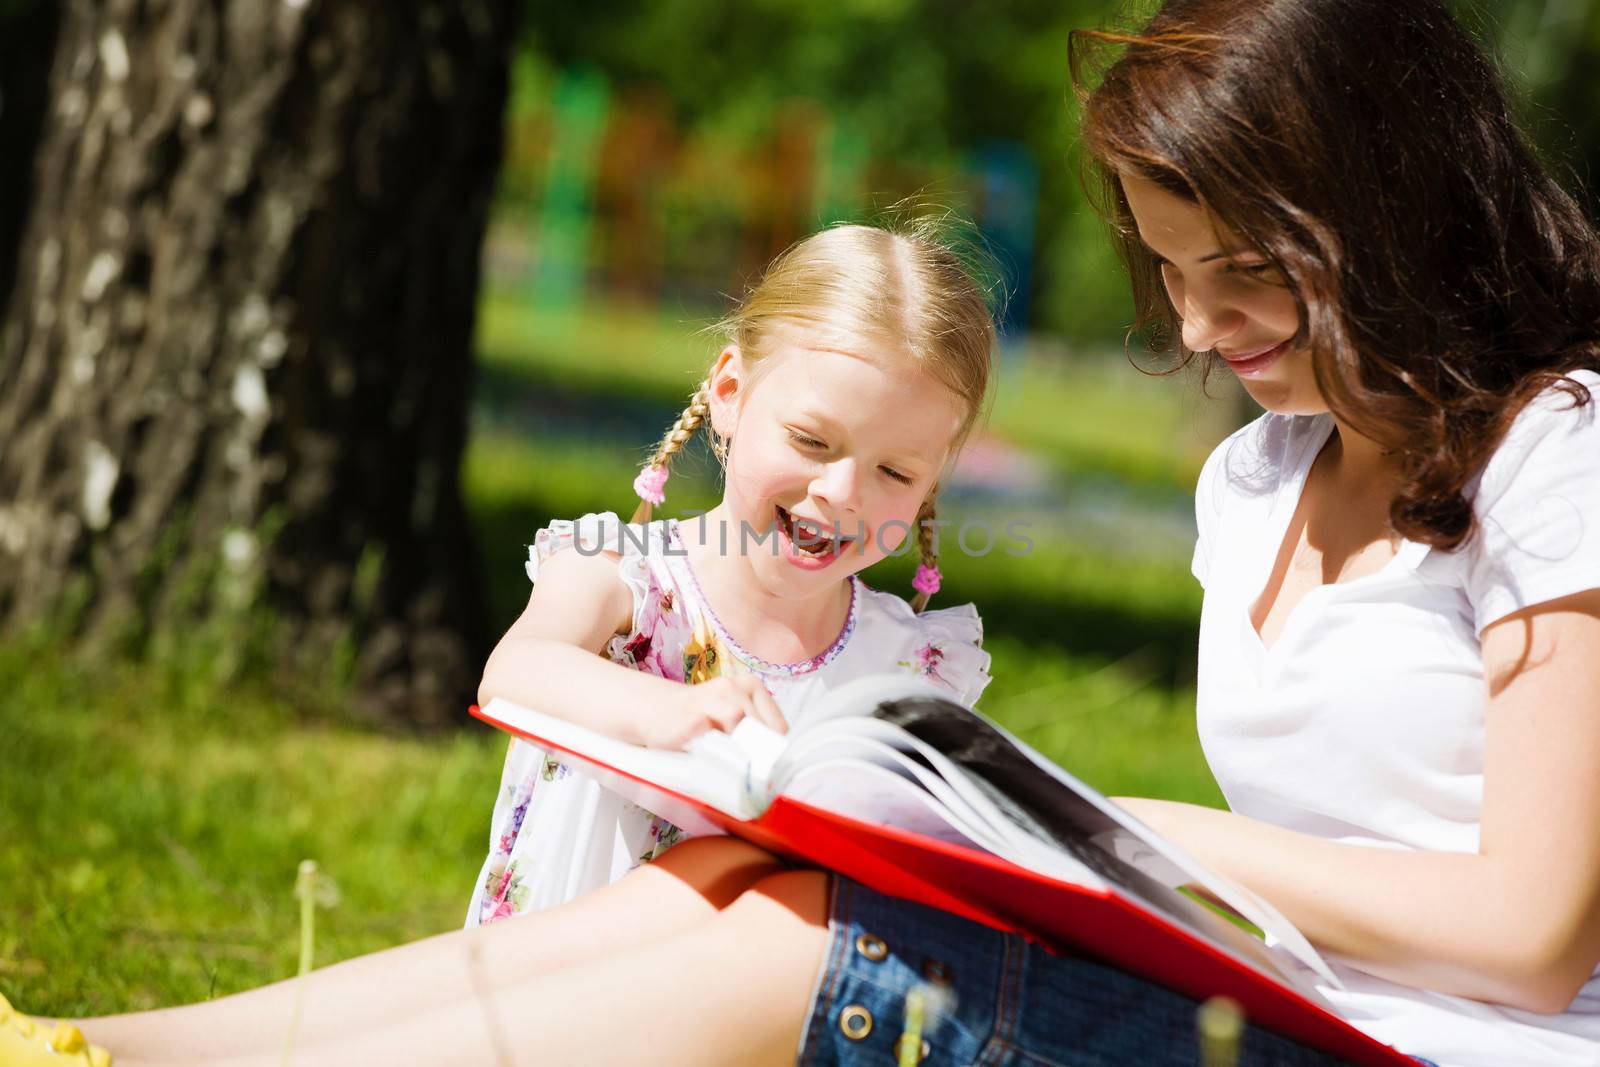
column 855, row 1022
column 899, row 1057
column 937, row 972
column 871, row 947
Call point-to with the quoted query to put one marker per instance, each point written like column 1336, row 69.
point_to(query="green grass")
column 1089, row 413
column 153, row 814
column 153, row 833
column 154, row 819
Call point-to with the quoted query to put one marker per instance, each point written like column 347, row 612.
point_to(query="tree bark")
column 27, row 41
column 237, row 356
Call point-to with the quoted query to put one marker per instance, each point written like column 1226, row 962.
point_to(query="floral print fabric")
column 557, row 833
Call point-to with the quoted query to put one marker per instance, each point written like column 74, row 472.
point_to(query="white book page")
column 1142, row 847
column 711, row 781
column 936, row 794
column 1132, row 843
column 866, row 791
column 887, row 746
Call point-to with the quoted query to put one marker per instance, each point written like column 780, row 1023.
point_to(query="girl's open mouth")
column 808, row 543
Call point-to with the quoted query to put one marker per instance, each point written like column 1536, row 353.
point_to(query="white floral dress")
column 556, row 833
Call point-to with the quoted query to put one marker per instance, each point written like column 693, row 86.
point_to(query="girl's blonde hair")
column 906, row 287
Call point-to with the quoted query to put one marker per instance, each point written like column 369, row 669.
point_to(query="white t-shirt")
column 1364, row 722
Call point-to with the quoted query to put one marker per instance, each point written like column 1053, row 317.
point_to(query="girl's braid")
column 927, row 552
column 672, row 442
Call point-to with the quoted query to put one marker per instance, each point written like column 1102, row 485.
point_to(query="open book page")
column 845, row 784
column 731, row 772
column 1058, row 807
column 719, row 781
column 1138, row 845
column 899, row 752
column 1001, row 827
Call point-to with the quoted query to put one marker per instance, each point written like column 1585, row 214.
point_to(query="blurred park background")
column 315, row 312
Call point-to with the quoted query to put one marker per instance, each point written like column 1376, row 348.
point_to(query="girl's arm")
column 550, row 660
column 1518, row 922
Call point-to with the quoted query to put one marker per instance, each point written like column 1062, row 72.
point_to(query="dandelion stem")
column 1221, row 1024
column 910, row 1047
column 305, row 887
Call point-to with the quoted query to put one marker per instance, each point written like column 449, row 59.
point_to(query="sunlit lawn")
column 1092, row 412
column 153, row 814
column 152, row 838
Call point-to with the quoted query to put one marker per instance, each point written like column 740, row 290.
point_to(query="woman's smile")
column 1250, row 364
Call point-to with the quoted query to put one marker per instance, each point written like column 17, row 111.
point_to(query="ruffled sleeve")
column 950, row 650
column 598, row 532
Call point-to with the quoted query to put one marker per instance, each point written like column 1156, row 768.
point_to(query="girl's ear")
column 727, row 390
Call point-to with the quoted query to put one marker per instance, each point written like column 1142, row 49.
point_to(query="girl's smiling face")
column 833, row 450
column 1229, row 297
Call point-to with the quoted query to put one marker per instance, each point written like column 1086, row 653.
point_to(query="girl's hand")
column 717, row 704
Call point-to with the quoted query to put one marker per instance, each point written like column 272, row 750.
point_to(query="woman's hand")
column 717, row 704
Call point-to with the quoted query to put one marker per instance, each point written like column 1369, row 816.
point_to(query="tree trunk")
column 237, row 357
column 27, row 41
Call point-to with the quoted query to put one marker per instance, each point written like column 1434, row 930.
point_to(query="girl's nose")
column 1206, row 325
column 838, row 486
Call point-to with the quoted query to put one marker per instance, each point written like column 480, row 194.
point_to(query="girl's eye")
column 903, row 479
column 804, row 440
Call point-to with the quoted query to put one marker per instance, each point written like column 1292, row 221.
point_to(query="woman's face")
column 1230, row 299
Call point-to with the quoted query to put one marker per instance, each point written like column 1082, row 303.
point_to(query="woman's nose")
column 1208, row 324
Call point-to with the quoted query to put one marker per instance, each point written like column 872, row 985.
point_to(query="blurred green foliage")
column 920, row 82
column 926, row 82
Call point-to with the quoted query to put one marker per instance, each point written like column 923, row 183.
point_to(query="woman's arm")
column 550, row 660
column 1518, row 922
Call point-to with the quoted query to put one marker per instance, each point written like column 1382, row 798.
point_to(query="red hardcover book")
column 916, row 797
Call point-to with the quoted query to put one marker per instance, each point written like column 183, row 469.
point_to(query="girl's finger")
column 727, row 715
column 766, row 711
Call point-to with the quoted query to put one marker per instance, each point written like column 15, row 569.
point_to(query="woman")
column 1399, row 684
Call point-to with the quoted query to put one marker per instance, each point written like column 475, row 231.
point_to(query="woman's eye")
column 1254, row 270
column 805, row 440
column 903, row 479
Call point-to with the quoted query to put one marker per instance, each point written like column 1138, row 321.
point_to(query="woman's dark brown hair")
column 1367, row 149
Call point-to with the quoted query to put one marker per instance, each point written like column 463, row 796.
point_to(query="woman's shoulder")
column 1536, row 504
column 1555, row 435
column 1255, row 458
column 1561, row 410
column 944, row 645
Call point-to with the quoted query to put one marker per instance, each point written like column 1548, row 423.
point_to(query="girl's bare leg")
column 375, row 993
column 733, row 990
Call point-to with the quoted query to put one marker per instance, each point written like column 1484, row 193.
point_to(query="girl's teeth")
column 809, row 538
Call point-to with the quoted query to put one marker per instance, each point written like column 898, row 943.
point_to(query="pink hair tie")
column 651, row 484
column 927, row 580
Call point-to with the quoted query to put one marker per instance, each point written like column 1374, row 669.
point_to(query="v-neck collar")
column 1285, row 503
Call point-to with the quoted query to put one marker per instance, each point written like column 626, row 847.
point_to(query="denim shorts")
column 993, row 999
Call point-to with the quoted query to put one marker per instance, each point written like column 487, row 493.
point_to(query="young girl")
column 755, row 608
column 1399, row 683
